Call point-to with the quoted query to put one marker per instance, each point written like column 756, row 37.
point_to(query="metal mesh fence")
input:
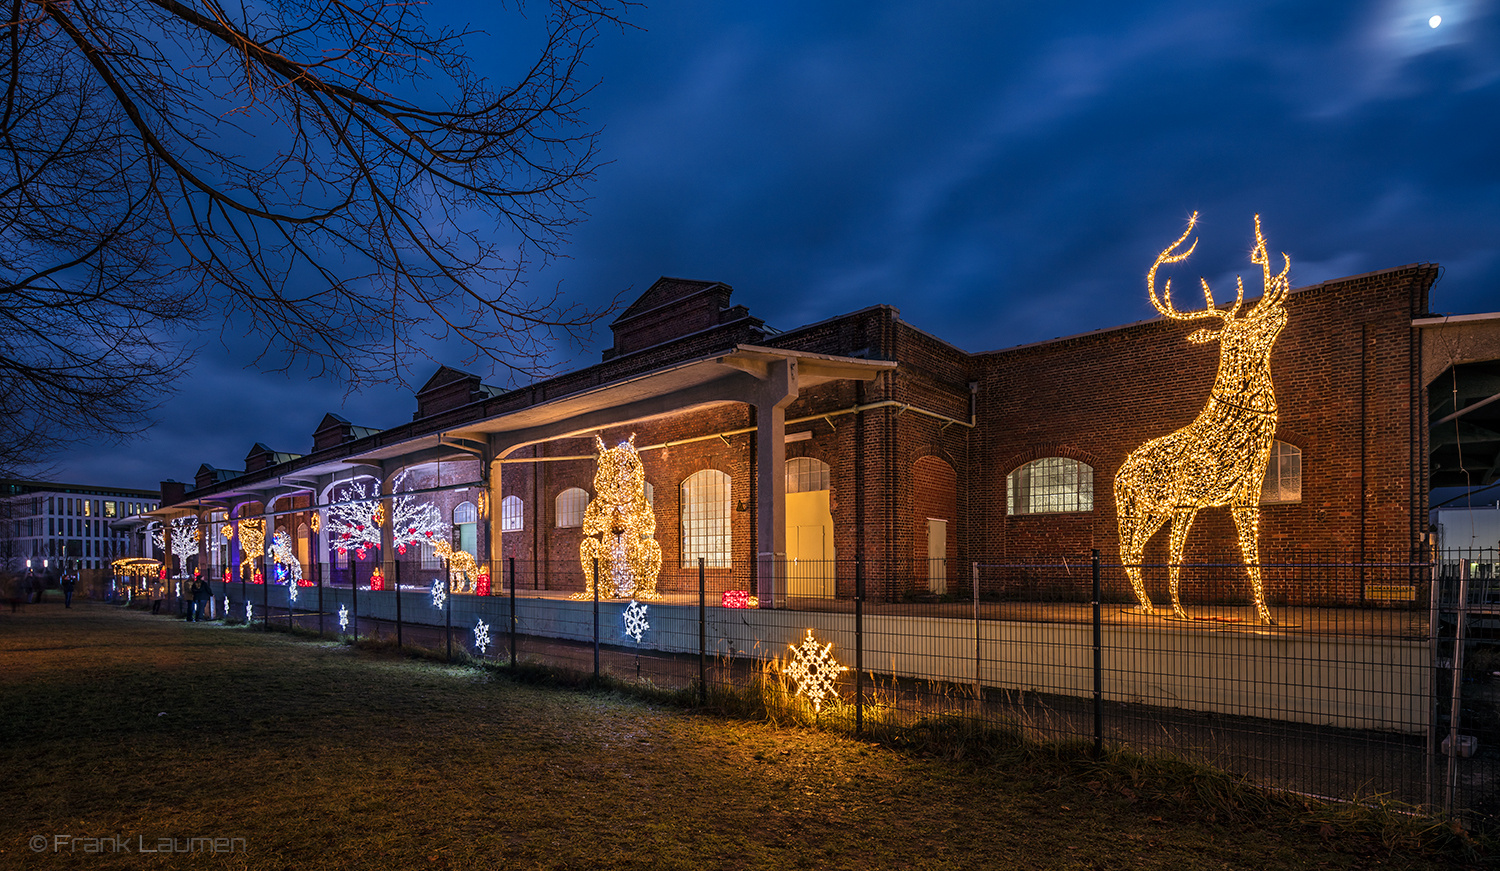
column 1392, row 693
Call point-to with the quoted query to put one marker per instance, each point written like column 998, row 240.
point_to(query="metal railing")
column 1378, row 677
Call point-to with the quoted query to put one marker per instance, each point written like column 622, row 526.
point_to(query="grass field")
column 120, row 728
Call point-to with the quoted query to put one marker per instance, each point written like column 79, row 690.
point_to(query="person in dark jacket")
column 68, row 583
column 202, row 593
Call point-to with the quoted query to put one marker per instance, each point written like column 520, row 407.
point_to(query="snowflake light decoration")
column 354, row 520
column 343, row 618
column 249, row 611
column 226, row 606
column 813, row 669
column 635, row 620
column 481, row 636
column 291, row 593
column 439, row 593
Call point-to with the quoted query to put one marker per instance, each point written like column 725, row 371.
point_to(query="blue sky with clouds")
column 1001, row 173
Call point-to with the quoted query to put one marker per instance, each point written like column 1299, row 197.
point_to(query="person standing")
column 202, row 593
column 68, row 583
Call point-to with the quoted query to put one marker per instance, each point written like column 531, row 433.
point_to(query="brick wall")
column 1344, row 377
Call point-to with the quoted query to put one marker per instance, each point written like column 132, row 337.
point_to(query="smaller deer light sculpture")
column 1218, row 460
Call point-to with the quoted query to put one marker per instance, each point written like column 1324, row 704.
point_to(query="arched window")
column 1051, row 485
column 1283, row 481
column 465, row 527
column 806, row 475
column 570, row 505
column 511, row 509
column 705, row 519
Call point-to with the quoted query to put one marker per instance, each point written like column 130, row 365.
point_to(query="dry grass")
column 318, row 754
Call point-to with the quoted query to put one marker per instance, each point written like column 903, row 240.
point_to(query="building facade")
column 781, row 459
column 45, row 526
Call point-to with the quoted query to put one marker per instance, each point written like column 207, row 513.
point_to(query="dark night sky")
column 1001, row 174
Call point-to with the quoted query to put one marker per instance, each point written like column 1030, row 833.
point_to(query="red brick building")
column 781, row 457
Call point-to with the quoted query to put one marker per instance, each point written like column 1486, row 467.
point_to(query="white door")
column 937, row 556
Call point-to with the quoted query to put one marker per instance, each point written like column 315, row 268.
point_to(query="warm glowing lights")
column 483, row 588
column 252, row 535
column 463, row 571
column 315, row 522
column 619, row 528
column 377, row 579
column 813, row 669
column 1220, row 458
column 481, row 637
column 738, row 599
column 635, row 620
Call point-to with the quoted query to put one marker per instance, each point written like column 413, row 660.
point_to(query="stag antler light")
column 1218, row 460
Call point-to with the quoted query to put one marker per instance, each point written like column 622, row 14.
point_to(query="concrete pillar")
column 777, row 391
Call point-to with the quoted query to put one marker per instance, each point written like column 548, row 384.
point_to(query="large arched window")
column 706, row 519
column 570, row 505
column 806, row 475
column 1283, row 481
column 511, row 514
column 1051, row 485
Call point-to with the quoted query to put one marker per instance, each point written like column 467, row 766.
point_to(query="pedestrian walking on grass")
column 68, row 583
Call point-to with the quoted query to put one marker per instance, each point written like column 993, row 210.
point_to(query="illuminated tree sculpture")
column 354, row 520
column 413, row 521
column 1220, row 458
column 619, row 528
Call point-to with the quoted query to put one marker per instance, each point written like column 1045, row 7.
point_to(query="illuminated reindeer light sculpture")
column 1220, row 458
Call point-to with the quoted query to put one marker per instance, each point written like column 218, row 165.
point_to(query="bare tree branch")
column 331, row 177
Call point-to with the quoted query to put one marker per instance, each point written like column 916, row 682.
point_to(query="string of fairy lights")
column 1219, row 460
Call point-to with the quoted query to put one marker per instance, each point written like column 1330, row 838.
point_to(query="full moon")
column 1434, row 21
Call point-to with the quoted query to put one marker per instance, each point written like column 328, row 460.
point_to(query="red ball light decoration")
column 258, row 578
column 401, row 549
column 359, row 552
column 483, row 587
column 735, row 599
column 377, row 579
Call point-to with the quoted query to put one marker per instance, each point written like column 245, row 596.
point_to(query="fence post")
column 1098, row 661
column 1456, row 687
column 596, row 618
column 396, row 587
column 859, row 645
column 354, row 592
column 265, row 597
column 448, row 606
column 978, row 671
column 702, row 636
column 317, row 568
column 513, row 612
